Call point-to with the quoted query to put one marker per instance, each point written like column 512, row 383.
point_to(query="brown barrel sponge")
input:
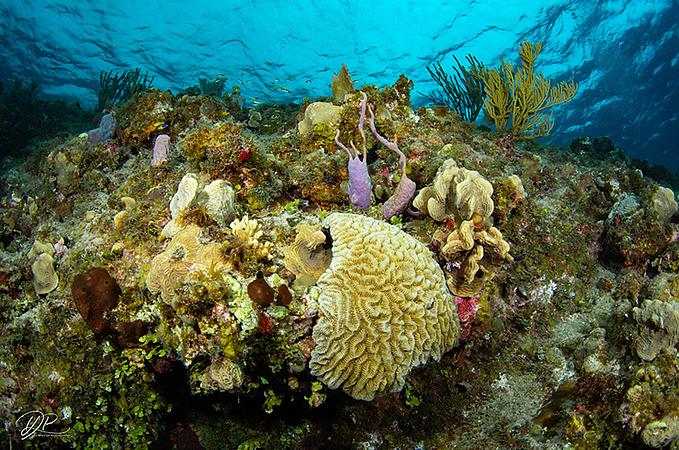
column 96, row 294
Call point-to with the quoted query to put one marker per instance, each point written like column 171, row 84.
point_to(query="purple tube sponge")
column 160, row 150
column 405, row 190
column 360, row 186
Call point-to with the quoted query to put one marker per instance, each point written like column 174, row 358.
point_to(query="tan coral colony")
column 384, row 308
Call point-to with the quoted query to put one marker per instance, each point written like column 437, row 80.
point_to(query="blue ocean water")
column 624, row 54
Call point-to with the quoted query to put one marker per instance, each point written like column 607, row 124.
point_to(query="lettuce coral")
column 660, row 327
column 307, row 258
column 456, row 193
column 473, row 257
column 384, row 308
column 184, row 253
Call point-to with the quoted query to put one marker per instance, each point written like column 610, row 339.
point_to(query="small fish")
column 219, row 75
column 308, row 81
column 162, row 125
column 282, row 89
column 256, row 102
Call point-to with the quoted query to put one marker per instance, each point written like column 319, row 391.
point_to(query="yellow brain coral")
column 458, row 194
column 384, row 308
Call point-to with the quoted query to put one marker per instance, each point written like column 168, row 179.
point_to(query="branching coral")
column 463, row 91
column 519, row 97
column 384, row 308
column 248, row 233
column 117, row 87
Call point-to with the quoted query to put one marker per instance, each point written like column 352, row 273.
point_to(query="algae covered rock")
column 635, row 231
column 45, row 278
column 384, row 308
column 662, row 432
column 67, row 172
column 222, row 375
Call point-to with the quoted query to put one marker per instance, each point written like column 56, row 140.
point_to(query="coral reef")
column 384, row 309
column 233, row 325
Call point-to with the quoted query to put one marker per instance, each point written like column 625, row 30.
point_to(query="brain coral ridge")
column 384, row 308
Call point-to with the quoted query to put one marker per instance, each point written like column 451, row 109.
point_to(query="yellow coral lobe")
column 384, row 308
column 457, row 193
